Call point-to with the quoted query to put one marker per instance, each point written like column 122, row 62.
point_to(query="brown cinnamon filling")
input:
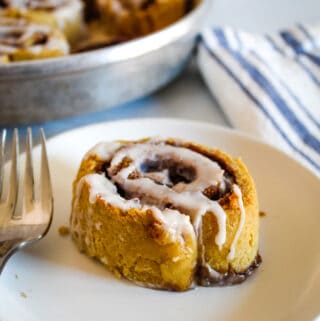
column 169, row 172
column 189, row 5
column 229, row 278
column 146, row 4
column 16, row 38
column 176, row 172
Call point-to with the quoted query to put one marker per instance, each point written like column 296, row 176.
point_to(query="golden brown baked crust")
column 132, row 244
column 137, row 244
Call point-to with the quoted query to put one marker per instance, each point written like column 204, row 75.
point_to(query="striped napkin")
column 268, row 86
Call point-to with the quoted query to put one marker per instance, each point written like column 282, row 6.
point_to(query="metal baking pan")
column 36, row 91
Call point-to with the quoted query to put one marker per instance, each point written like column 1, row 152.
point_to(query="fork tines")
column 28, row 194
column 18, row 228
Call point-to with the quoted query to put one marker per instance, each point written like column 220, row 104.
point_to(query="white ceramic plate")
column 62, row 284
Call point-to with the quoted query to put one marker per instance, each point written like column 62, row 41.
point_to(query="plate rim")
column 208, row 125
column 184, row 121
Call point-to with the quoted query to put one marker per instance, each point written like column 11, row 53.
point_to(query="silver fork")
column 21, row 227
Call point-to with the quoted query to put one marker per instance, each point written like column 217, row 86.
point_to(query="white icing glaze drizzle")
column 238, row 192
column 187, row 197
column 148, row 193
column 208, row 172
column 64, row 12
column 102, row 187
column 17, row 34
column 194, row 204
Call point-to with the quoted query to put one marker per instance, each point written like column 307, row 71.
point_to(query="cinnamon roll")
column 22, row 40
column 134, row 18
column 65, row 15
column 167, row 213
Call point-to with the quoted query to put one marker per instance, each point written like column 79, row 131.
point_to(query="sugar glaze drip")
column 16, row 34
column 146, row 189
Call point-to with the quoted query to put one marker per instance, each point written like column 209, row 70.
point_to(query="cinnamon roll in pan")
column 167, row 214
column 132, row 18
column 22, row 40
column 65, row 15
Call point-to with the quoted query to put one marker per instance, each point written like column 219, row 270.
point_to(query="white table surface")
column 187, row 97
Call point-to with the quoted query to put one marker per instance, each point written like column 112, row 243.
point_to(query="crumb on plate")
column 262, row 214
column 64, row 230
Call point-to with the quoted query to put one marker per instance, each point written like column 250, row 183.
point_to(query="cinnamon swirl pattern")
column 22, row 40
column 93, row 24
column 65, row 15
column 167, row 214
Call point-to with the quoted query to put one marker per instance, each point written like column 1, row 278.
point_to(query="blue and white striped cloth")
column 268, row 86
